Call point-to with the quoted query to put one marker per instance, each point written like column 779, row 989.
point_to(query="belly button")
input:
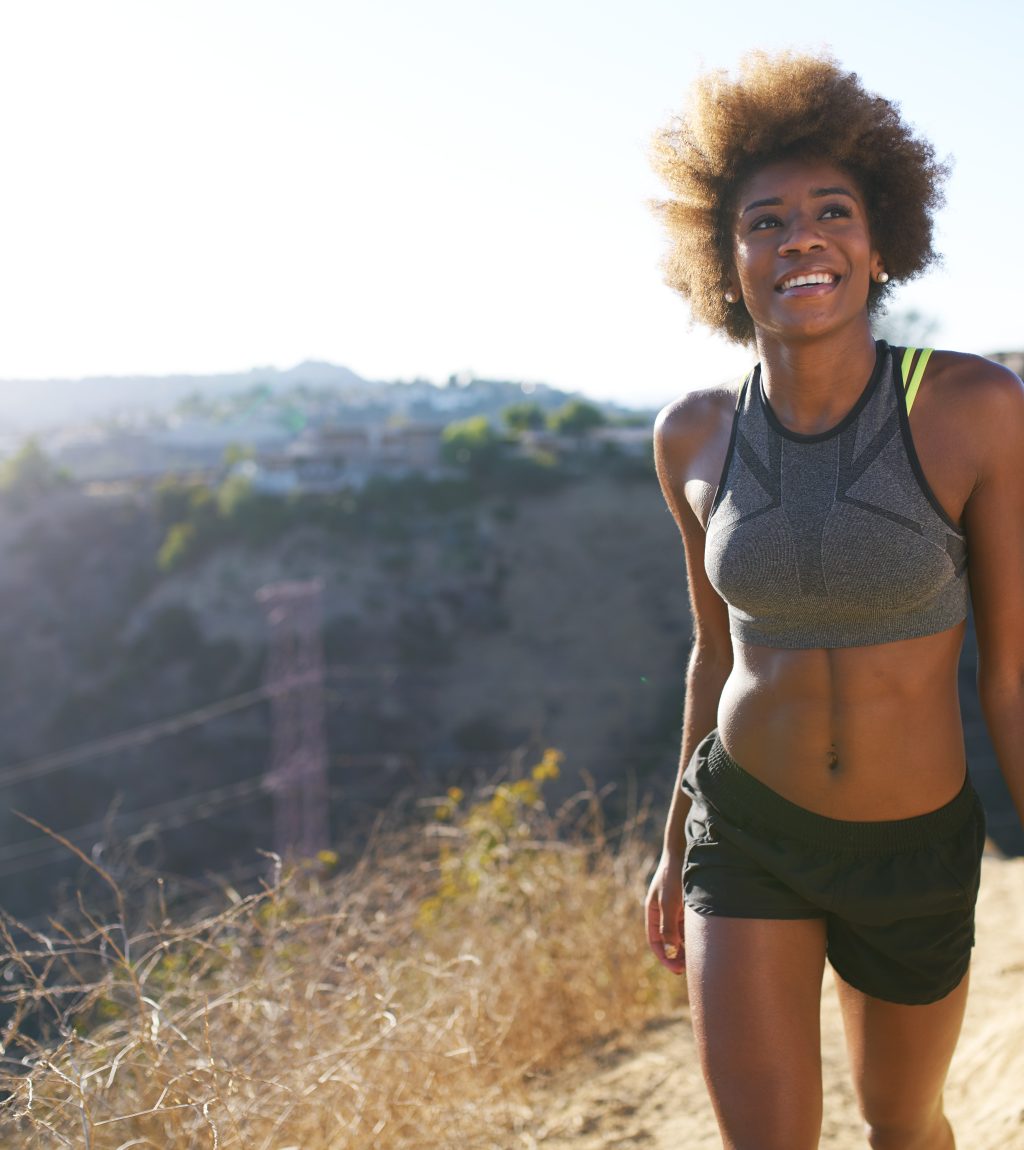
column 833, row 759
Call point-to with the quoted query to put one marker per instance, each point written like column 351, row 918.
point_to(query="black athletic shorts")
column 897, row 896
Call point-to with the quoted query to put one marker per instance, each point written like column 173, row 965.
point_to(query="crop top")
column 833, row 539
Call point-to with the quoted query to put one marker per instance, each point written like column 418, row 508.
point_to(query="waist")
column 855, row 733
column 716, row 778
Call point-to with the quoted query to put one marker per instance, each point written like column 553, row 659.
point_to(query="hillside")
column 453, row 641
column 463, row 630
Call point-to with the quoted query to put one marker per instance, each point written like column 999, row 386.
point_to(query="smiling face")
column 802, row 254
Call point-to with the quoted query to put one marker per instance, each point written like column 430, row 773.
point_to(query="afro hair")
column 776, row 108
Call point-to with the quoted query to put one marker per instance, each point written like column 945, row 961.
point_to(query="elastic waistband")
column 746, row 800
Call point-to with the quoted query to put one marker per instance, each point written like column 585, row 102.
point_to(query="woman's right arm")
column 690, row 441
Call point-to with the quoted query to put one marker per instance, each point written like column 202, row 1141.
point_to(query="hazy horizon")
column 415, row 191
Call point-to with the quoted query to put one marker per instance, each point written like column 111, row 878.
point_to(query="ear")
column 877, row 265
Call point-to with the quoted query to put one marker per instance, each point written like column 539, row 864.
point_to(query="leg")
column 755, row 997
column 900, row 1056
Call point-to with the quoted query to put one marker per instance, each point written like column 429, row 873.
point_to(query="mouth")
column 808, row 283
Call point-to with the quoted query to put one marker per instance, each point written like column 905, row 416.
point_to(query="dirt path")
column 652, row 1097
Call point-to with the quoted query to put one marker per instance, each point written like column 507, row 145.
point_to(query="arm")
column 994, row 521
column 689, row 449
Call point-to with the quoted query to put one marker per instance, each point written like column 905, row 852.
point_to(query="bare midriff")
column 858, row 733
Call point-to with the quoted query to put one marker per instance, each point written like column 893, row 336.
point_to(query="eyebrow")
column 774, row 201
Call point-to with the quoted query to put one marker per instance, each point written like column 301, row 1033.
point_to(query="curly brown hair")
column 777, row 108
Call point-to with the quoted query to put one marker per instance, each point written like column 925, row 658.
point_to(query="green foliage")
column 577, row 417
column 472, row 444
column 233, row 495
column 236, row 453
column 30, row 475
column 178, row 547
column 196, row 516
column 524, row 417
column 488, row 831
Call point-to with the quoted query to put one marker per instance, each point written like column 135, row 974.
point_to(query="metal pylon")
column 297, row 775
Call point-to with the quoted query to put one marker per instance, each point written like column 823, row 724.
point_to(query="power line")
column 137, row 736
column 163, row 728
column 171, row 815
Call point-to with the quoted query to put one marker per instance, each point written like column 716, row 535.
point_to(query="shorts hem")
column 904, row 999
column 707, row 911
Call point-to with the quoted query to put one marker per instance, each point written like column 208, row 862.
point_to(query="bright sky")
column 422, row 187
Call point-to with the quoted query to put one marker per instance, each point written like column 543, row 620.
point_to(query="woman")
column 828, row 506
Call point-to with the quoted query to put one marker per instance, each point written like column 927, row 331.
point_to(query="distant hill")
column 310, row 393
column 28, row 405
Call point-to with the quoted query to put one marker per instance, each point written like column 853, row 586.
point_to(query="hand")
column 664, row 907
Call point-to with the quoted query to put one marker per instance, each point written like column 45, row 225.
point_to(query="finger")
column 668, row 950
column 671, row 957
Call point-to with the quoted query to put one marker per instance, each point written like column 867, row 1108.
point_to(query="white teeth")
column 813, row 278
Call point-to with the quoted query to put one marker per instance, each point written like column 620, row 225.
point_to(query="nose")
column 802, row 235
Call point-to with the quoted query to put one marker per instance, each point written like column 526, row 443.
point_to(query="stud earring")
column 882, row 278
column 730, row 296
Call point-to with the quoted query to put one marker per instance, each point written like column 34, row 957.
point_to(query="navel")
column 833, row 759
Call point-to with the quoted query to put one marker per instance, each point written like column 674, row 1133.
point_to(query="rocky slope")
column 457, row 642
column 454, row 643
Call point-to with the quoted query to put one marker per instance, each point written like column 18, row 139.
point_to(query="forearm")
column 705, row 678
column 1003, row 707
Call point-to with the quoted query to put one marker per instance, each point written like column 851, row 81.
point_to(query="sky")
column 421, row 188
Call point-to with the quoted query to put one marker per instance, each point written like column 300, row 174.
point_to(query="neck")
column 812, row 384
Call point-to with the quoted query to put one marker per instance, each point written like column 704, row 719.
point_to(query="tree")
column 519, row 417
column 471, row 443
column 29, row 474
column 577, row 417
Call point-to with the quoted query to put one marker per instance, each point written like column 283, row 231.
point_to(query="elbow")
column 711, row 659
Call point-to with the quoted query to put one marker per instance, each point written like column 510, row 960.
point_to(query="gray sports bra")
column 834, row 539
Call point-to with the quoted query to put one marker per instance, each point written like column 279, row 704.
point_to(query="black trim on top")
column 881, row 348
column 908, row 444
column 720, row 489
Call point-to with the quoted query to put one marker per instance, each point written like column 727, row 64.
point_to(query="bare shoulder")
column 986, row 387
column 981, row 403
column 686, row 425
column 691, row 441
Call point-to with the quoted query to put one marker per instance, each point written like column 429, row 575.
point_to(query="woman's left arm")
column 994, row 521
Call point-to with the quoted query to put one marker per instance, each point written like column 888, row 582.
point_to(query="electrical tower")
column 297, row 776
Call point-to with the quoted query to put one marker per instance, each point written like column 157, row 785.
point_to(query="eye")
column 763, row 222
column 836, row 212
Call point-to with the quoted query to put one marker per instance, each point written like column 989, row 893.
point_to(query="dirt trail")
column 652, row 1097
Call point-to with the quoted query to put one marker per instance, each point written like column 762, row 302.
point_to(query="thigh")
column 755, row 995
column 900, row 1054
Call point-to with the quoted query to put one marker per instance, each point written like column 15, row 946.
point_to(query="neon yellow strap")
column 914, row 383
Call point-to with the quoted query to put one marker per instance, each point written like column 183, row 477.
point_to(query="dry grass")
column 403, row 1004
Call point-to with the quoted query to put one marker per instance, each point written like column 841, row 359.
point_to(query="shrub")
column 29, row 475
column 396, row 1007
column 178, row 547
column 576, row 417
column 472, row 444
